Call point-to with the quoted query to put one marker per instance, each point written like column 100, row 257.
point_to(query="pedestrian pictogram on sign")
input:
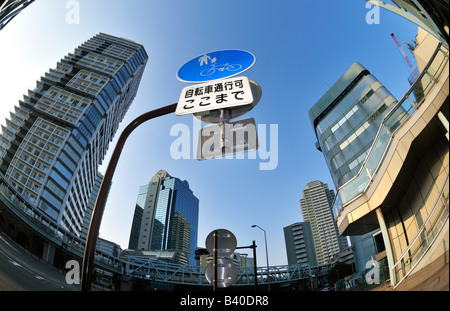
column 216, row 65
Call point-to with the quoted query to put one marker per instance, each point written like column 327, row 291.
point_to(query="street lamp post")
column 267, row 254
column 97, row 213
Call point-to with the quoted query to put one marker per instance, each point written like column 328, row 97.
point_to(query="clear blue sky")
column 301, row 47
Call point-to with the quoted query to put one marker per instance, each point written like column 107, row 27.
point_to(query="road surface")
column 19, row 271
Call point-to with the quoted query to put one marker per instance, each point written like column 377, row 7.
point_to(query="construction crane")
column 414, row 72
column 403, row 52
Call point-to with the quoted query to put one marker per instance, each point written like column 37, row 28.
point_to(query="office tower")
column 346, row 121
column 57, row 137
column 316, row 209
column 170, row 217
column 239, row 259
column 137, row 218
column 300, row 244
column 135, row 227
column 108, row 247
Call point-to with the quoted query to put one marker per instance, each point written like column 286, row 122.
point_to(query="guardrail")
column 424, row 238
column 398, row 115
column 35, row 219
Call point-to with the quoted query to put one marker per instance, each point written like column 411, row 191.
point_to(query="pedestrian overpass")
column 160, row 271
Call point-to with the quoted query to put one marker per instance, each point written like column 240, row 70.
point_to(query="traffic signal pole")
column 254, row 262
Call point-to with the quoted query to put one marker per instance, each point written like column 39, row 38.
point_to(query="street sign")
column 214, row 116
column 228, row 138
column 222, row 272
column 214, row 95
column 226, row 242
column 226, row 272
column 216, row 65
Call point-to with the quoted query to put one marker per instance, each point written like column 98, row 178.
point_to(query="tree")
column 418, row 92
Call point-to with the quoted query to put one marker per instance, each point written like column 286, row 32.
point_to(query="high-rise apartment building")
column 90, row 206
column 58, row 135
column 300, row 245
column 316, row 209
column 169, row 220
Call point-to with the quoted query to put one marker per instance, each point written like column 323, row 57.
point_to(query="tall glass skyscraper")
column 170, row 217
column 55, row 140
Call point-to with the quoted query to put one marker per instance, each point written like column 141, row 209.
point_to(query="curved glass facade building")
column 55, row 140
column 346, row 120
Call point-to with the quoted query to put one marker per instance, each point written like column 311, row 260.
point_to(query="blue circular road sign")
column 216, row 65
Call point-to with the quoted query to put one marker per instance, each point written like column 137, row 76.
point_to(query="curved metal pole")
column 97, row 213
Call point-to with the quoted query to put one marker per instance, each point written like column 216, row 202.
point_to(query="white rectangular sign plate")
column 217, row 94
column 238, row 137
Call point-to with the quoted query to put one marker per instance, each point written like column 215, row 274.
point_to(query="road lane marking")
column 11, row 246
column 5, row 241
column 47, row 281
column 15, row 263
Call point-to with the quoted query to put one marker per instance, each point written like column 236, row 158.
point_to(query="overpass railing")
column 195, row 275
column 34, row 218
column 139, row 267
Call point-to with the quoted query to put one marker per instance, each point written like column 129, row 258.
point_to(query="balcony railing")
column 424, row 238
column 398, row 115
